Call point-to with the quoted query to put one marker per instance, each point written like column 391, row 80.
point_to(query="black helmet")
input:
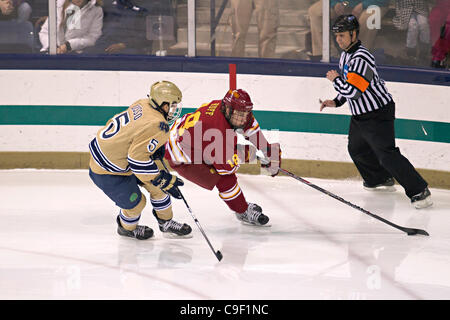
column 346, row 22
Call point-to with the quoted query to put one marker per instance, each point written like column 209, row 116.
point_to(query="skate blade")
column 267, row 225
column 174, row 236
column 381, row 189
column 425, row 203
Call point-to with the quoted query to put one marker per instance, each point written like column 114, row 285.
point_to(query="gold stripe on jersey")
column 226, row 172
column 176, row 152
column 231, row 194
column 254, row 129
column 174, row 148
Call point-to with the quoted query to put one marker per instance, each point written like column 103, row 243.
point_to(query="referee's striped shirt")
column 359, row 83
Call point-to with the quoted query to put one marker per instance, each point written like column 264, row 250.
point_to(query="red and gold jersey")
column 205, row 136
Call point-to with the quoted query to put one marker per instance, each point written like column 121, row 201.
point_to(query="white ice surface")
column 58, row 240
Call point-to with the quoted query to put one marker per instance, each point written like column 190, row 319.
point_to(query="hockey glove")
column 168, row 183
column 273, row 163
column 159, row 153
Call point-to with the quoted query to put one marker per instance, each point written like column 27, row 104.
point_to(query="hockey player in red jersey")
column 203, row 148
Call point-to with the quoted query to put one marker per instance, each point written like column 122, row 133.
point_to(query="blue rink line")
column 270, row 120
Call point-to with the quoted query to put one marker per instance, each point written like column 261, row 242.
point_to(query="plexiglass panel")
column 18, row 21
column 405, row 33
column 397, row 32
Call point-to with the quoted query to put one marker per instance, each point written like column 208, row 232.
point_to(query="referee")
column 371, row 137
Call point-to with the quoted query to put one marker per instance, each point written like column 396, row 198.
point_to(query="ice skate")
column 422, row 200
column 253, row 216
column 140, row 233
column 172, row 229
column 387, row 186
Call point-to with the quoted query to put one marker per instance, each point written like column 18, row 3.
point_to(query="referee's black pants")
column 371, row 144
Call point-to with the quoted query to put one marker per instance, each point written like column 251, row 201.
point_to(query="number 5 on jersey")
column 152, row 145
column 121, row 118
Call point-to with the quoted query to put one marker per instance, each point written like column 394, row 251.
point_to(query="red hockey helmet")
column 238, row 100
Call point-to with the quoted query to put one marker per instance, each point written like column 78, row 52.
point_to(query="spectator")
column 358, row 8
column 79, row 25
column 14, row 10
column 267, row 19
column 412, row 16
column 8, row 11
column 16, row 32
column 124, row 29
column 23, row 10
column 439, row 20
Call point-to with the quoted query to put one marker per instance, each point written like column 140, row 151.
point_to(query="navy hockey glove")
column 273, row 161
column 159, row 153
column 168, row 183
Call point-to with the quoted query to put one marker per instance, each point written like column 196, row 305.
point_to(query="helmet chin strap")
column 352, row 42
column 228, row 115
column 158, row 107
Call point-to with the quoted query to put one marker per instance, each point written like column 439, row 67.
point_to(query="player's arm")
column 358, row 80
column 226, row 161
column 143, row 163
column 272, row 152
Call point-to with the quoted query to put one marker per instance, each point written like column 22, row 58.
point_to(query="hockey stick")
column 217, row 253
column 261, row 157
column 408, row 231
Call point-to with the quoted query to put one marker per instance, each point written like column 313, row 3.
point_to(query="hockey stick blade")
column 408, row 231
column 217, row 253
column 413, row 232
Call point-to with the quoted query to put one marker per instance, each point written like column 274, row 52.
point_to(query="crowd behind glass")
column 398, row 32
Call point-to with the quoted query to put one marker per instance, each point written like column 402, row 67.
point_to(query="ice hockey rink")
column 58, row 240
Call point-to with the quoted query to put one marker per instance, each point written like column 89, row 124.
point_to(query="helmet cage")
column 174, row 111
column 238, row 107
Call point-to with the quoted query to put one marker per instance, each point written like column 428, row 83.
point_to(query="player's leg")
column 232, row 195
column 125, row 193
column 162, row 210
column 206, row 177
